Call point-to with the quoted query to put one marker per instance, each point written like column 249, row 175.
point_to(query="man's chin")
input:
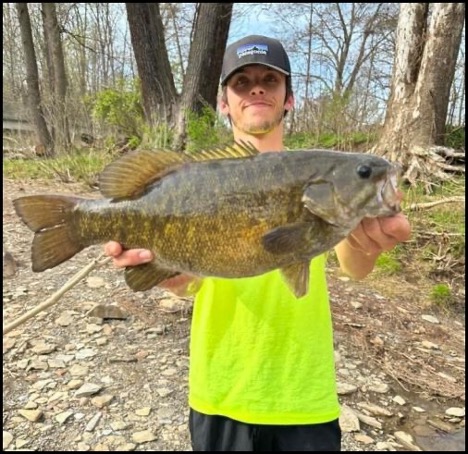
column 260, row 128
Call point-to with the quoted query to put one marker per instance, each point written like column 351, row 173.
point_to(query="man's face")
column 255, row 98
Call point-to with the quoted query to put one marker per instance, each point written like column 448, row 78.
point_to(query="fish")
column 228, row 212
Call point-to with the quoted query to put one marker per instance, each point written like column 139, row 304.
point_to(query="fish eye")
column 364, row 171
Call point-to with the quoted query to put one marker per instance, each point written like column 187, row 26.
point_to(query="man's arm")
column 358, row 252
column 181, row 285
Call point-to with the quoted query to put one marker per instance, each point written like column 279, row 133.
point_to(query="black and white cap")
column 254, row 50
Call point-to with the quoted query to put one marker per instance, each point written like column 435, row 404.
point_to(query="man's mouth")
column 258, row 104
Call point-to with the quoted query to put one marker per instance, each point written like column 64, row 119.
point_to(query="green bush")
column 121, row 107
column 441, row 295
column 205, row 130
column 388, row 262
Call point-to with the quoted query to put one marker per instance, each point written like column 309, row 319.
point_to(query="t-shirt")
column 259, row 355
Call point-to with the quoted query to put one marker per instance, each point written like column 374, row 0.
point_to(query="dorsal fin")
column 131, row 174
column 240, row 149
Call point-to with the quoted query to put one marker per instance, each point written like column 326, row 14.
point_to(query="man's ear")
column 223, row 106
column 289, row 104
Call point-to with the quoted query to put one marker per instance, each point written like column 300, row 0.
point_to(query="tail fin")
column 50, row 217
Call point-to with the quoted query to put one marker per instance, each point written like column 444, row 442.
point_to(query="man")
column 261, row 362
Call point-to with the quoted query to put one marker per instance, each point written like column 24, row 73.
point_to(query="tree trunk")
column 423, row 72
column 205, row 62
column 60, row 84
column 32, row 78
column 157, row 84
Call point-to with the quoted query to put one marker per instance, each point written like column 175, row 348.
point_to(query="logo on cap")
column 252, row 49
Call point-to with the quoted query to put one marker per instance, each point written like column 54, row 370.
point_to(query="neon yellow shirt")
column 259, row 355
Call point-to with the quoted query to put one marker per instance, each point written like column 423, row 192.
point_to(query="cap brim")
column 223, row 82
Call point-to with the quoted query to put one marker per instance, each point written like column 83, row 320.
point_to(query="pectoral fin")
column 297, row 278
column 286, row 239
column 143, row 277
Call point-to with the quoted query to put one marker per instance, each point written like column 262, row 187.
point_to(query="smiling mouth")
column 259, row 104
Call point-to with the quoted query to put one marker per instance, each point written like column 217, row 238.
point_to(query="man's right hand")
column 130, row 257
column 133, row 257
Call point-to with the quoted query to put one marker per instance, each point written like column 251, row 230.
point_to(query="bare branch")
column 57, row 295
column 425, row 205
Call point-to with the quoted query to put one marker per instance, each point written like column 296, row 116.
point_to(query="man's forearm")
column 353, row 261
column 182, row 285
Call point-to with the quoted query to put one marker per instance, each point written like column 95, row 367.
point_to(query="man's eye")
column 241, row 81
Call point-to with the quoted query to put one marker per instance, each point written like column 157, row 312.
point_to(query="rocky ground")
column 105, row 369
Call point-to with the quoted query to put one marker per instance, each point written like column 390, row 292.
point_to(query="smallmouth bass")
column 228, row 212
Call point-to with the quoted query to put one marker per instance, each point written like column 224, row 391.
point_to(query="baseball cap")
column 254, row 50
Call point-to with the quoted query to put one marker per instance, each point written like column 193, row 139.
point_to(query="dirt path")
column 76, row 380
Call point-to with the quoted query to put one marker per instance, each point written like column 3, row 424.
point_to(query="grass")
column 83, row 166
column 390, row 262
column 441, row 295
column 347, row 142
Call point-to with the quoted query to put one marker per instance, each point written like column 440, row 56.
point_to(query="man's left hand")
column 375, row 235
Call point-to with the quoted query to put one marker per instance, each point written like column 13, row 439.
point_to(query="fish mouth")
column 389, row 195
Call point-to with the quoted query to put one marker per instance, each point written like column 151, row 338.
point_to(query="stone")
column 88, row 389
column 349, row 422
column 7, row 439
column 376, row 410
column 143, row 437
column 399, row 400
column 92, row 423
column 31, row 415
column 430, row 318
column 406, row 440
column 102, row 401
column 345, row 388
column 62, row 417
column 145, row 411
column 455, row 411
column 107, row 311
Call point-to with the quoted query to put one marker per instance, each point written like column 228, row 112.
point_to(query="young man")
column 262, row 371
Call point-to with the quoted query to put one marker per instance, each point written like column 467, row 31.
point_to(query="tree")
column 154, row 69
column 57, row 76
column 32, row 79
column 161, row 101
column 427, row 45
column 204, row 65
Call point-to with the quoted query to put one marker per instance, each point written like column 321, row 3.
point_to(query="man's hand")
column 131, row 257
column 376, row 235
column 358, row 252
column 180, row 285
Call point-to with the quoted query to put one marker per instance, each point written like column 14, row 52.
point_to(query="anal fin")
column 144, row 277
column 297, row 278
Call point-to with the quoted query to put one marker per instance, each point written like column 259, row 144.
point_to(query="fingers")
column 374, row 235
column 131, row 257
column 361, row 240
column 396, row 226
column 112, row 249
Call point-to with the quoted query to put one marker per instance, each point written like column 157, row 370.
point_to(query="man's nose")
column 257, row 89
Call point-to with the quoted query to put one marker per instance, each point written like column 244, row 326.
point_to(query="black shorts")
column 218, row 433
